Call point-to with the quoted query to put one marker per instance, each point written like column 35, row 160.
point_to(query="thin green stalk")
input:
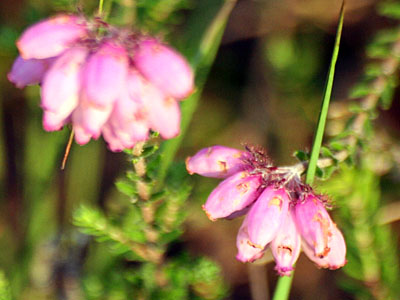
column 312, row 166
column 101, row 2
column 284, row 283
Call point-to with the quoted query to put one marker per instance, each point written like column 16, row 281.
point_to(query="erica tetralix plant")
column 281, row 211
column 103, row 80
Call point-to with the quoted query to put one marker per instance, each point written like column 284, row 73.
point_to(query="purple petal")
column 165, row 68
column 51, row 37
column 246, row 252
column 314, row 224
column 27, row 72
column 216, row 161
column 104, row 75
column 286, row 246
column 336, row 257
column 81, row 136
column 232, row 194
column 61, row 84
column 267, row 215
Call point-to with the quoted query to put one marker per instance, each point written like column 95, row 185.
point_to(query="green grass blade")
column 325, row 105
column 201, row 57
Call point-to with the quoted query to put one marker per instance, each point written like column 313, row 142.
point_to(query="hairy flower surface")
column 103, row 80
column 281, row 212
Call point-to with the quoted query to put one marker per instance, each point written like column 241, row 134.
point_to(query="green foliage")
column 5, row 292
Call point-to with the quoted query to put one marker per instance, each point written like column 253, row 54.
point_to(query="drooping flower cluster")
column 103, row 80
column 281, row 212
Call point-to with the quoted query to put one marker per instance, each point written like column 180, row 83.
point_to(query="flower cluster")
column 281, row 211
column 103, row 80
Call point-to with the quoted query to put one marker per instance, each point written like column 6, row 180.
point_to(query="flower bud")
column 165, row 68
column 51, row 37
column 336, row 258
column 91, row 118
column 233, row 194
column 286, row 246
column 216, row 161
column 61, row 84
column 104, row 75
column 267, row 215
column 163, row 113
column 314, row 224
column 246, row 252
column 28, row 71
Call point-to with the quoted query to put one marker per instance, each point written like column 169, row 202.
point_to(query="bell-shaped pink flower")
column 246, row 252
column 28, row 71
column 286, row 246
column 90, row 118
column 233, row 194
column 267, row 215
column 60, row 88
column 114, row 143
column 314, row 224
column 104, row 74
column 51, row 37
column 128, row 119
column 336, row 258
column 216, row 161
column 163, row 113
column 165, row 68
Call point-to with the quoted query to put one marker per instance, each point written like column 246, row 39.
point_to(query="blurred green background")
column 264, row 88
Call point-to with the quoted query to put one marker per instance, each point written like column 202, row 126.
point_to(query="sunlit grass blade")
column 325, row 104
column 284, row 283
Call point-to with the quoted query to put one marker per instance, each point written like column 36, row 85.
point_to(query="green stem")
column 284, row 283
column 283, row 287
column 312, row 166
column 100, row 11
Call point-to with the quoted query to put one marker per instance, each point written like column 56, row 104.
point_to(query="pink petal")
column 113, row 142
column 104, row 75
column 314, row 224
column 61, row 84
column 165, row 68
column 216, row 161
column 163, row 113
column 81, row 136
column 231, row 195
column 246, row 252
column 129, row 116
column 27, row 72
column 53, row 121
column 286, row 246
column 91, row 118
column 51, row 37
column 267, row 215
column 336, row 257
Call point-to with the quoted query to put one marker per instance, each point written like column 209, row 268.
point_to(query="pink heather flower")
column 216, row 161
column 286, row 246
column 104, row 74
column 246, row 252
column 52, row 36
column 102, row 80
column 266, row 216
column 28, row 71
column 233, row 194
column 157, row 62
column 280, row 210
